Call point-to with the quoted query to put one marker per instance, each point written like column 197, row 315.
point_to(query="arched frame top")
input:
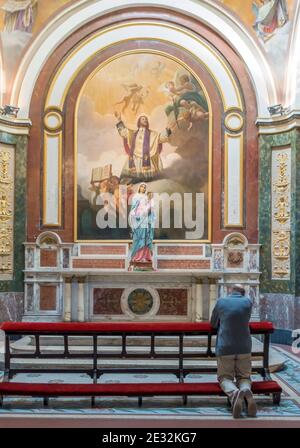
column 75, row 16
column 206, row 55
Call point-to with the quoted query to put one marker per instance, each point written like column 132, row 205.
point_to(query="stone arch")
column 74, row 17
column 235, row 239
column 48, row 238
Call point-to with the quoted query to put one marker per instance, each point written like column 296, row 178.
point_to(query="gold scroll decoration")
column 281, row 198
column 6, row 211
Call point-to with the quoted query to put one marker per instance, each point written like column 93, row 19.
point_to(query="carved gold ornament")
column 281, row 245
column 5, row 241
column 281, row 270
column 282, row 183
column 235, row 257
column 5, row 178
column 282, row 204
column 281, row 216
column 5, row 267
column 48, row 241
column 6, row 212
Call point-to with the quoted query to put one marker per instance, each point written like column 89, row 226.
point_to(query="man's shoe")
column 251, row 405
column 237, row 403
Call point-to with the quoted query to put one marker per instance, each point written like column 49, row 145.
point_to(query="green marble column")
column 279, row 298
column 20, row 143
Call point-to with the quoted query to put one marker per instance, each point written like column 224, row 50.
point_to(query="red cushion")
column 127, row 389
column 261, row 327
column 261, row 387
column 119, row 327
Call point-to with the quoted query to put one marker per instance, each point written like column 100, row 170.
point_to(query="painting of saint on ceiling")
column 269, row 16
column 20, row 21
column 19, row 15
column 265, row 17
column 272, row 23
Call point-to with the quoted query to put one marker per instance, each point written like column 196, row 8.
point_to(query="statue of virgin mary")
column 141, row 220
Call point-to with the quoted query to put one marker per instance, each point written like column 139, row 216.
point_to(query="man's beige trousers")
column 231, row 367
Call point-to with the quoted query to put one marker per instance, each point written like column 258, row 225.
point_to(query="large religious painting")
column 143, row 143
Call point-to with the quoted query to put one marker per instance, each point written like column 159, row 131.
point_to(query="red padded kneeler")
column 127, row 389
column 122, row 327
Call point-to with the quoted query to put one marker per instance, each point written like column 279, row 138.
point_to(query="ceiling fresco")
column 269, row 21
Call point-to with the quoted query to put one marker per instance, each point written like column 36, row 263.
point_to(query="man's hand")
column 118, row 116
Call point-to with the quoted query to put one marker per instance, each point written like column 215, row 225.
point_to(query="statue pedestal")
column 141, row 266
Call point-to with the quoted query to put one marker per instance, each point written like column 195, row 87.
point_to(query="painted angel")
column 270, row 15
column 133, row 90
column 158, row 69
column 187, row 102
column 19, row 15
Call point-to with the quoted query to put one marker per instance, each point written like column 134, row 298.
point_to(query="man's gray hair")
column 238, row 287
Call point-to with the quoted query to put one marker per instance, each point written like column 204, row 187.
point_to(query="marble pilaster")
column 80, row 302
column 213, row 293
column 278, row 293
column 198, row 288
column 12, row 289
column 67, row 299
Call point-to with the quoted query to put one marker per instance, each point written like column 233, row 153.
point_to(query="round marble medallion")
column 234, row 121
column 140, row 301
column 53, row 120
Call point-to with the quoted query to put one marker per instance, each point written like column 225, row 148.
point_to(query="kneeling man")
column 231, row 317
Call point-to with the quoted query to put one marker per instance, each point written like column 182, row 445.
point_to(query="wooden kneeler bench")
column 129, row 390
column 94, row 370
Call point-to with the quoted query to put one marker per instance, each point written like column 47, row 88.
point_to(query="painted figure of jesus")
column 143, row 147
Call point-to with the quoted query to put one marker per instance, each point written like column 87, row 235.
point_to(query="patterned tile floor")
column 214, row 407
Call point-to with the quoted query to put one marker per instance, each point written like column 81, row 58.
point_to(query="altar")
column 89, row 282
